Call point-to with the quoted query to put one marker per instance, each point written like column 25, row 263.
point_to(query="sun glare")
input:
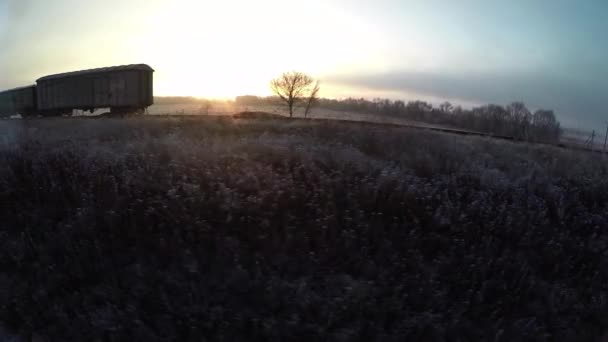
column 229, row 48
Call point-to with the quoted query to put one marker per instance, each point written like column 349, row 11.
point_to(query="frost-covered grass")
column 155, row 229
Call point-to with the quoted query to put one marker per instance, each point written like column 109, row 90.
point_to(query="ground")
column 159, row 228
column 573, row 138
column 229, row 108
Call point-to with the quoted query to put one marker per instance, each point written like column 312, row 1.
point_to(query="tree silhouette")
column 312, row 98
column 291, row 87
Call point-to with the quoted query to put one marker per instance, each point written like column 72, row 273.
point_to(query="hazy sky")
column 550, row 54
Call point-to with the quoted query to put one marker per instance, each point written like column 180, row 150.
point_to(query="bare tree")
column 521, row 117
column 312, row 98
column 545, row 126
column 291, row 87
column 446, row 107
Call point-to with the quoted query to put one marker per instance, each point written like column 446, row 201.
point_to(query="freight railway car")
column 124, row 89
column 18, row 101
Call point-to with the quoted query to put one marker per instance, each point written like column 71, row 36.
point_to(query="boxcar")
column 18, row 101
column 123, row 89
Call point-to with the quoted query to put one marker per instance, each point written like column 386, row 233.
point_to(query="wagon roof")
column 142, row 67
column 18, row 88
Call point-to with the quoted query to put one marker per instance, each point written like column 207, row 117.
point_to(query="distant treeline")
column 514, row 120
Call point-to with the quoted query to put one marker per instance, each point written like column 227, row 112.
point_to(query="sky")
column 547, row 53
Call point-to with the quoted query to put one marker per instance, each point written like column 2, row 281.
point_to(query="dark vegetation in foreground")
column 155, row 229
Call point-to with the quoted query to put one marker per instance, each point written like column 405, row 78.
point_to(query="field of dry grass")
column 159, row 228
column 570, row 137
column 316, row 113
